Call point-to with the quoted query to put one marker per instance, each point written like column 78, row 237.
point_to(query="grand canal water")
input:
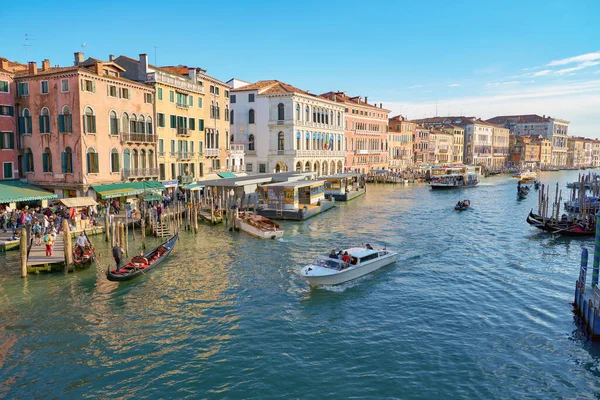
column 478, row 306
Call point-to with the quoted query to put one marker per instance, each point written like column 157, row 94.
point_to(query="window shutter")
column 173, row 121
column 93, row 124
column 192, row 124
column 89, row 165
column 29, row 123
column 41, row 124
column 200, row 124
column 191, row 101
column 61, row 123
column 96, row 162
column 69, row 123
column 21, row 125
column 11, row 111
column 93, row 86
column 11, row 139
column 45, row 161
column 1, row 140
column 63, row 161
column 83, row 84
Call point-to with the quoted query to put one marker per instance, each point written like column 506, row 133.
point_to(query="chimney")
column 143, row 67
column 99, row 68
column 45, row 65
column 366, row 100
column 380, row 105
column 111, row 57
column 78, row 58
column 4, row 64
column 192, row 74
column 32, row 68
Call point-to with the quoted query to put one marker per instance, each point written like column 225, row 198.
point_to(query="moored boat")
column 141, row 264
column 259, row 226
column 360, row 261
column 454, row 178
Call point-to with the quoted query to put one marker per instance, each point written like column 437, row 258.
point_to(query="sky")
column 419, row 58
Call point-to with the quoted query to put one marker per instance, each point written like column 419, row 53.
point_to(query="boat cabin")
column 293, row 200
column 344, row 187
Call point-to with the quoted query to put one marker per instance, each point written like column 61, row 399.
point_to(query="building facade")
column 84, row 125
column 284, row 128
column 400, row 143
column 500, row 146
column 458, row 134
column 365, row 127
column 421, row 146
column 441, row 146
column 8, row 120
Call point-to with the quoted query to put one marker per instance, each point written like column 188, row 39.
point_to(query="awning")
column 153, row 197
column 226, row 174
column 193, row 186
column 78, row 201
column 17, row 191
column 170, row 184
column 124, row 189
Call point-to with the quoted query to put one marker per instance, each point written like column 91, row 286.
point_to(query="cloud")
column 540, row 73
column 415, row 86
column 583, row 65
column 503, row 83
column 453, row 85
column 577, row 59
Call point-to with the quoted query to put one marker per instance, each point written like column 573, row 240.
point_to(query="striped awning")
column 17, row 191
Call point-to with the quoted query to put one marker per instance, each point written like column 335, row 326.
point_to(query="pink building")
column 8, row 121
column 366, row 127
column 84, row 125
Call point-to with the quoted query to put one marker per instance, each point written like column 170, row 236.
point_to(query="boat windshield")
column 327, row 262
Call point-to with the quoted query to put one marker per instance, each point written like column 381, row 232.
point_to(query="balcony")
column 179, row 82
column 367, row 132
column 362, row 152
column 161, row 153
column 182, row 105
column 128, row 173
column 236, row 149
column 319, row 153
column 281, row 122
column 183, row 155
column 211, row 152
column 138, row 138
column 183, row 131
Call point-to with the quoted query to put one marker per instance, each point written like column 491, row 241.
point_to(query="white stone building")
column 284, row 128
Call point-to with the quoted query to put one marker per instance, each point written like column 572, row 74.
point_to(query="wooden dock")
column 37, row 259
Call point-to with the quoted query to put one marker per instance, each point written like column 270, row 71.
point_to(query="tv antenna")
column 28, row 37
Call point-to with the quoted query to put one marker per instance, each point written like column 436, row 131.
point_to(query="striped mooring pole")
column 596, row 252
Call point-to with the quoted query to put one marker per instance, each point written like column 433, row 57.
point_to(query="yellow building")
column 545, row 152
column 458, row 146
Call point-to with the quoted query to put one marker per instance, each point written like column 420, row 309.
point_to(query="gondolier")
column 82, row 242
column 118, row 252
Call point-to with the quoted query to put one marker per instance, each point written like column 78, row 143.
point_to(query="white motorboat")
column 259, row 226
column 329, row 271
column 526, row 176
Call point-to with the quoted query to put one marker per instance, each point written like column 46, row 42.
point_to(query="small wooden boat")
column 83, row 259
column 462, row 205
column 258, row 226
column 562, row 227
column 141, row 264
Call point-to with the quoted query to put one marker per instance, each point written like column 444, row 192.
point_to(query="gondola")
column 141, row 264
column 560, row 228
column 84, row 260
column 462, row 205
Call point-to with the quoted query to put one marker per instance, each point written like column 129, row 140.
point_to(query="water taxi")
column 259, row 226
column 454, row 178
column 360, row 261
column 526, row 176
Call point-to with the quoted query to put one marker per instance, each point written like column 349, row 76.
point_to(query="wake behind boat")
column 358, row 261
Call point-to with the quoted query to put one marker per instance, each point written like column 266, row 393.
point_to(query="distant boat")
column 259, row 226
column 454, row 178
column 462, row 205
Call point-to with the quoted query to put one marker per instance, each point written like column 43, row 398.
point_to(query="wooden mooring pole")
column 23, row 247
column 68, row 244
column 143, row 233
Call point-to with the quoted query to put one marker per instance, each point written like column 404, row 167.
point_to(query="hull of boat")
column 260, row 233
column 351, row 273
column 438, row 186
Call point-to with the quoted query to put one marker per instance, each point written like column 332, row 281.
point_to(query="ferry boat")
column 454, row 178
column 259, row 226
column 327, row 271
column 525, row 176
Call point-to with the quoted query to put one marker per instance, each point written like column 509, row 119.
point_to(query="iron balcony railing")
column 138, row 137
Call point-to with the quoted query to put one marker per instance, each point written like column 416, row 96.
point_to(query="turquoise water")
column 478, row 306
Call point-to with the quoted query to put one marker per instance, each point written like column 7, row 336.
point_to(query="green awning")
column 226, row 174
column 124, row 189
column 17, row 191
column 193, row 186
column 153, row 197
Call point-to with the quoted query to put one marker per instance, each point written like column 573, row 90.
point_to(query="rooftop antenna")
column 83, row 45
column 28, row 37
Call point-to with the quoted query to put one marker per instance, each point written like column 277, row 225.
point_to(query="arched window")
column 280, row 141
column 307, row 114
column 65, row 121
column 307, row 144
column 151, row 159
column 330, row 118
column 28, row 160
column 25, row 122
column 89, row 120
column 227, row 114
column 125, row 122
column 280, row 112
column 231, row 139
column 126, row 159
column 141, row 124
column 218, row 111
column 231, row 117
column 114, row 160
column 143, row 160
column 47, row 160
column 149, row 127
column 251, row 116
column 339, row 119
column 66, row 159
column 45, row 120
column 298, row 112
column 114, row 123
column 251, row 143
column 92, row 161
column 134, row 158
column 133, row 124
column 298, row 141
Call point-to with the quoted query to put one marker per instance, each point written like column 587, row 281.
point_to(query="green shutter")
column 173, row 121
column 29, row 120
column 96, row 162
column 11, row 111
column 21, row 125
column 69, row 123
column 171, row 96
column 93, row 86
column 93, row 124
column 199, row 102
column 1, row 140
column 200, row 124
column 45, row 162
column 159, row 93
column 63, row 161
column 191, row 101
column 41, row 117
column 61, row 123
column 11, row 144
column 192, row 123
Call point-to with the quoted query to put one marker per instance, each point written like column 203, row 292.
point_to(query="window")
column 192, row 123
column 7, row 110
column 44, row 87
column 262, row 168
column 161, row 146
column 250, row 116
column 114, row 123
column 47, row 160
column 250, row 97
column 212, row 89
column 149, row 126
column 89, row 120
column 125, row 123
column 173, row 121
column 114, row 161
column 88, row 85
column 23, row 89
column 200, row 124
column 172, row 149
column 8, row 170
column 124, row 93
column 191, row 99
column 133, row 127
column 307, row 114
column 126, row 159
column 248, row 167
column 4, row 87
column 280, row 141
column 232, row 98
column 45, row 121
column 92, row 161
column 141, row 125
column 171, row 96
column 7, row 140
column 217, row 91
column 65, row 121
column 227, row 94
column 67, row 161
column 112, row 91
column 298, row 112
column 199, row 102
column 161, row 120
column 28, row 160
column 24, row 122
column 159, row 93
column 231, row 116
column 280, row 112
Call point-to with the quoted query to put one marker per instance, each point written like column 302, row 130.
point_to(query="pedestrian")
column 3, row 221
column 48, row 241
column 117, row 253
column 159, row 213
column 37, row 233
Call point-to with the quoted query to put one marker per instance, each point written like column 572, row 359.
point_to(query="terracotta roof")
column 520, row 119
column 342, row 97
column 12, row 65
column 52, row 70
column 270, row 87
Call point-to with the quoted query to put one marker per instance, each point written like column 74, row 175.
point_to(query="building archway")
column 281, row 167
column 325, row 168
column 316, row 167
column 332, row 168
column 298, row 166
column 307, row 166
column 340, row 168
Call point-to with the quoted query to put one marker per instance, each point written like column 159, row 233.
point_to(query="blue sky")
column 483, row 58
